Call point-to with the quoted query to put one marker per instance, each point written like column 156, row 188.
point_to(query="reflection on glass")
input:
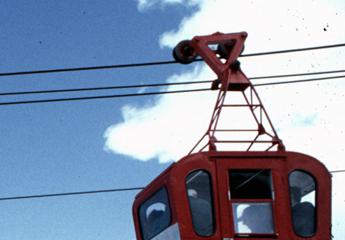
column 251, row 184
column 253, row 218
column 199, row 191
column 154, row 214
column 302, row 195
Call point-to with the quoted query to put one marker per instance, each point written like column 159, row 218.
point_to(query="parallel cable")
column 338, row 171
column 299, row 81
column 103, row 88
column 297, row 74
column 92, row 192
column 101, row 97
column 70, row 193
column 294, row 50
column 145, row 64
column 154, row 93
column 158, row 84
column 78, row 69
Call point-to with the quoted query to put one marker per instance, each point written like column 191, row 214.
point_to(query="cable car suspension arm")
column 221, row 51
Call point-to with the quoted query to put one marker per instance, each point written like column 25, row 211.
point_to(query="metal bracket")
column 221, row 51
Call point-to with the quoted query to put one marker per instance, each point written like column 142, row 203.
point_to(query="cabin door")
column 249, row 189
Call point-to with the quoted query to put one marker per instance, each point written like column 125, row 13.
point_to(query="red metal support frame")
column 221, row 51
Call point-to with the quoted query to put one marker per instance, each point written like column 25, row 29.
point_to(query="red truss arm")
column 220, row 51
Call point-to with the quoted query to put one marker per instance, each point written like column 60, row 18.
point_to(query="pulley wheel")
column 184, row 52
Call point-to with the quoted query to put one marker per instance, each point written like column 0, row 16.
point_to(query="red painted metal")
column 218, row 164
column 231, row 78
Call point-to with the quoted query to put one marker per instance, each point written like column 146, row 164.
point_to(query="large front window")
column 251, row 194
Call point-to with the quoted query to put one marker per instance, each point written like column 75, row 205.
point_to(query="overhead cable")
column 71, row 193
column 100, row 97
column 338, row 171
column 145, row 64
column 92, row 192
column 297, row 74
column 77, row 69
column 294, row 50
column 153, row 93
column 103, row 88
column 298, row 81
column 158, row 84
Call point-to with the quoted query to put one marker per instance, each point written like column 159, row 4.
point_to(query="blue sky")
column 49, row 148
column 62, row 147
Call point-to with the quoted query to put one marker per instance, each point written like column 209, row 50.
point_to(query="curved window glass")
column 302, row 198
column 253, row 218
column 154, row 214
column 251, row 184
column 252, row 195
column 199, row 190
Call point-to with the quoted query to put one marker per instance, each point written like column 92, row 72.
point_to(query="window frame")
column 315, row 202
column 144, row 231
column 247, row 200
column 211, row 202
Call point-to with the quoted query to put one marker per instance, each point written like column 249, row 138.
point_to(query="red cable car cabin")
column 228, row 195
column 232, row 195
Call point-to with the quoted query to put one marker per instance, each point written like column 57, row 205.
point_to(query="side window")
column 252, row 196
column 199, row 191
column 302, row 198
column 154, row 214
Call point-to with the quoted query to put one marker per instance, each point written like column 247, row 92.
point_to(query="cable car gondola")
column 218, row 192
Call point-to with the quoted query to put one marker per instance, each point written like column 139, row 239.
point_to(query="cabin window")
column 199, row 192
column 154, row 214
column 302, row 199
column 251, row 194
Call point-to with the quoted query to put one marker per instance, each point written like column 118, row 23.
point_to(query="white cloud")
column 309, row 116
column 147, row 4
column 159, row 131
column 270, row 23
column 168, row 128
